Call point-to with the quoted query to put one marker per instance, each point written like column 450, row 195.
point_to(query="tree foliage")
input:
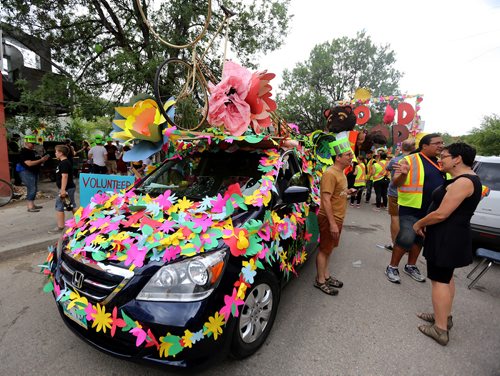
column 333, row 72
column 486, row 138
column 105, row 49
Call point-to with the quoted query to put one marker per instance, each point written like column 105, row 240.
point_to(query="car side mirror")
column 295, row 194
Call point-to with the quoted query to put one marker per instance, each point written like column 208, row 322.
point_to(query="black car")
column 190, row 262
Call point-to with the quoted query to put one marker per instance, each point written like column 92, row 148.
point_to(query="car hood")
column 136, row 231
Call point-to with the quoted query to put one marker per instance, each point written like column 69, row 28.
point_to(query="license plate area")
column 72, row 314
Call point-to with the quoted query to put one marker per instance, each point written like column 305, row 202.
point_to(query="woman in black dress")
column 448, row 243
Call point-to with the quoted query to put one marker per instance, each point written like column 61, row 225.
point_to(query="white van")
column 485, row 224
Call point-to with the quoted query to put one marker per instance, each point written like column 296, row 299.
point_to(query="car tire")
column 256, row 316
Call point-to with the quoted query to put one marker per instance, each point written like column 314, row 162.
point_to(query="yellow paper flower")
column 102, row 319
column 184, row 204
column 186, row 338
column 164, row 349
column 76, row 299
column 242, row 291
column 214, row 325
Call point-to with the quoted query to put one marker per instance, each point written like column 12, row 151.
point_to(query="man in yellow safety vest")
column 380, row 180
column 416, row 176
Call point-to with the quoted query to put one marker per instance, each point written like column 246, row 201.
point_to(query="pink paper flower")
column 259, row 99
column 227, row 104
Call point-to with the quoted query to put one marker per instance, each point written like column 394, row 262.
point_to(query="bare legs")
column 442, row 301
column 394, row 228
column 398, row 252
column 322, row 262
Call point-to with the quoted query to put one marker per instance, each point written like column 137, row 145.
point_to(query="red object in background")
column 362, row 114
column 4, row 156
column 389, row 115
column 406, row 113
column 399, row 133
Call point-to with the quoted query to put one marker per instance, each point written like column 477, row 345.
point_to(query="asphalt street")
column 370, row 328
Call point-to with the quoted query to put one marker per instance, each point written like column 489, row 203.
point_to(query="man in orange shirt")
column 333, row 192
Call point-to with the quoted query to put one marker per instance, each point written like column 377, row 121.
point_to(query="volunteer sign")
column 91, row 184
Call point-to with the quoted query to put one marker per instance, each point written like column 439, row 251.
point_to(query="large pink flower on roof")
column 227, row 104
column 259, row 99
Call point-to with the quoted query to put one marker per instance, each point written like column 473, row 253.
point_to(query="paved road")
column 370, row 328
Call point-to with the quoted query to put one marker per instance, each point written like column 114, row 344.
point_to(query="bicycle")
column 6, row 192
column 187, row 79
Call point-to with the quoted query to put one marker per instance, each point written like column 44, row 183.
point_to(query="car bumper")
column 487, row 236
column 123, row 345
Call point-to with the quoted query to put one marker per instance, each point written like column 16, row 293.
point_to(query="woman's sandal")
column 429, row 317
column 438, row 335
column 326, row 288
column 334, row 282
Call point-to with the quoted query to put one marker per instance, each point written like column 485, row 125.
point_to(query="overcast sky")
column 449, row 51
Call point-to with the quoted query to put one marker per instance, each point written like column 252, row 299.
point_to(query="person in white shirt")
column 99, row 156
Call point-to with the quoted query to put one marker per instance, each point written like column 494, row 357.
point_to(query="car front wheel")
column 256, row 316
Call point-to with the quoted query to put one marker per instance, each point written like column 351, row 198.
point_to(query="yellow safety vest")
column 379, row 170
column 410, row 193
column 369, row 166
column 360, row 176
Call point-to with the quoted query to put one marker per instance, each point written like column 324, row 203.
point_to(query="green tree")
column 486, row 138
column 105, row 48
column 333, row 72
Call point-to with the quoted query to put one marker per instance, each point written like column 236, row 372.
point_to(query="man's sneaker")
column 392, row 274
column 57, row 230
column 388, row 247
column 413, row 272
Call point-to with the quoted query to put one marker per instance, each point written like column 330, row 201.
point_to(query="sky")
column 449, row 51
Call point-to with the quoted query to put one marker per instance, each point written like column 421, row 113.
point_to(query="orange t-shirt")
column 335, row 182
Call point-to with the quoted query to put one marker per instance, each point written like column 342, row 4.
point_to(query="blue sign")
column 90, row 184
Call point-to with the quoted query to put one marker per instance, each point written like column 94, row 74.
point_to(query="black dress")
column 448, row 244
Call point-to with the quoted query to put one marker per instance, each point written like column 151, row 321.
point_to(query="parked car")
column 485, row 223
column 190, row 262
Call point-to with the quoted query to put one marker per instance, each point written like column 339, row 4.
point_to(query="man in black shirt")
column 111, row 161
column 64, row 181
column 28, row 168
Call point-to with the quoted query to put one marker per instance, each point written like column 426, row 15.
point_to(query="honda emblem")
column 78, row 278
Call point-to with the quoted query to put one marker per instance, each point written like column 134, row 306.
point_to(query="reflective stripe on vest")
column 360, row 176
column 380, row 171
column 410, row 193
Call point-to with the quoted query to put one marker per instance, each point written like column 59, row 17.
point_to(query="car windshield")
column 489, row 173
column 205, row 174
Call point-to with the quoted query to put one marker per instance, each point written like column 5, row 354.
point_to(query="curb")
column 26, row 249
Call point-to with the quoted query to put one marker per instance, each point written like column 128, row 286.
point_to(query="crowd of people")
column 97, row 158
column 433, row 193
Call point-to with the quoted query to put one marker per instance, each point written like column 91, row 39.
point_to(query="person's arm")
column 36, row 162
column 64, row 183
column 456, row 193
column 327, row 205
column 402, row 168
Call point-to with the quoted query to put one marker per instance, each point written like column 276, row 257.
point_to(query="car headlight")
column 186, row 281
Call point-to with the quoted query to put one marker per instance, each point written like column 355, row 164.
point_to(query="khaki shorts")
column 326, row 241
column 393, row 206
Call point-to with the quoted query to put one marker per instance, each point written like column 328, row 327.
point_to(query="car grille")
column 98, row 282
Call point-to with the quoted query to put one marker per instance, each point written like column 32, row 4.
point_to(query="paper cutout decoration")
column 143, row 124
column 399, row 133
column 362, row 115
column 406, row 113
column 389, row 114
column 362, row 94
column 241, row 98
column 340, row 146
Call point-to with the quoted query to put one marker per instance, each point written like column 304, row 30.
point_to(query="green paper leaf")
column 130, row 323
column 49, row 287
column 147, row 230
column 99, row 255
